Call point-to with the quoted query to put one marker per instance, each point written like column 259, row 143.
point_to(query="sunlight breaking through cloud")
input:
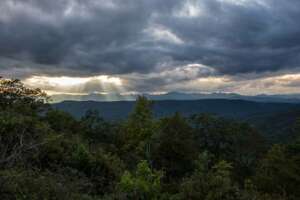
column 64, row 84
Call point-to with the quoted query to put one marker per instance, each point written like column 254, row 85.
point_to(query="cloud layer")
column 154, row 45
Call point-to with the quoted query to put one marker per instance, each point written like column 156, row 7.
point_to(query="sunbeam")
column 83, row 85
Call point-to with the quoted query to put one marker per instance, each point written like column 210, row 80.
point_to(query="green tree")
column 143, row 184
column 278, row 173
column 96, row 130
column 174, row 148
column 35, row 185
column 62, row 122
column 21, row 131
column 137, row 131
column 21, row 137
column 236, row 142
column 103, row 169
column 209, row 182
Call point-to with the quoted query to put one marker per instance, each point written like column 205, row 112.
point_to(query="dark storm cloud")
column 90, row 39
column 238, row 38
column 86, row 37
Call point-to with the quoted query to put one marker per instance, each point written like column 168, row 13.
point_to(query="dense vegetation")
column 48, row 154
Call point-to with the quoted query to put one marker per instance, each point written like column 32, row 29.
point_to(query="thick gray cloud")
column 117, row 37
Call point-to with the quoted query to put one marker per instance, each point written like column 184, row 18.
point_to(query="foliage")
column 136, row 132
column 49, row 154
column 13, row 94
column 209, row 182
column 278, row 173
column 61, row 122
column 229, row 140
column 144, row 183
column 96, row 129
column 20, row 136
column 35, row 185
column 174, row 147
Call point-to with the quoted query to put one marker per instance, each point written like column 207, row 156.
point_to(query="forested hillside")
column 49, row 154
column 275, row 121
column 239, row 109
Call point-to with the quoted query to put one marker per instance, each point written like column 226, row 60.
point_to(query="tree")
column 143, row 184
column 21, row 130
column 137, row 131
column 229, row 140
column 36, row 185
column 13, row 94
column 103, row 169
column 209, row 182
column 96, row 129
column 62, row 122
column 278, row 173
column 20, row 137
column 140, row 122
column 174, row 149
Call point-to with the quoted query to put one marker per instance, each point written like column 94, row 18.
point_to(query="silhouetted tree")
column 13, row 94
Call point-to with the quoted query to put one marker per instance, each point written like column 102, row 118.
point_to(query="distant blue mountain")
column 274, row 120
column 223, row 107
column 289, row 98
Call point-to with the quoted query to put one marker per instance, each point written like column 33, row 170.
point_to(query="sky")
column 152, row 46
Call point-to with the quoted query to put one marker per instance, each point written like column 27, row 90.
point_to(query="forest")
column 47, row 154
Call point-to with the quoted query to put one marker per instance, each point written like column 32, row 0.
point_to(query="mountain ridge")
column 284, row 98
column 224, row 107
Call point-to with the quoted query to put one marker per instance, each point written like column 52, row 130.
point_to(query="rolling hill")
column 239, row 109
column 288, row 98
column 275, row 120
